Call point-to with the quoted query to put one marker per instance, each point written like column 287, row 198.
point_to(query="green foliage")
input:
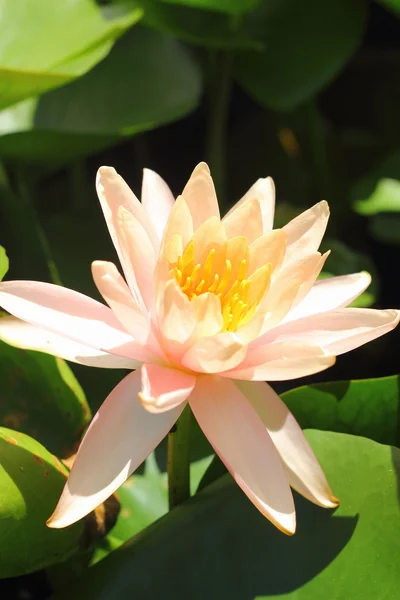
column 306, row 45
column 147, row 80
column 392, row 5
column 236, row 7
column 3, row 263
column 56, row 42
column 219, row 546
column 40, row 396
column 31, row 480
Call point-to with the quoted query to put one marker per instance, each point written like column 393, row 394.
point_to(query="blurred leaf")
column 31, row 480
column 144, row 499
column 385, row 198
column 367, row 407
column 45, row 44
column 3, row 262
column 344, row 260
column 147, row 80
column 392, row 5
column 306, row 45
column 196, row 26
column 40, row 396
column 219, row 546
column 386, row 229
column 236, row 7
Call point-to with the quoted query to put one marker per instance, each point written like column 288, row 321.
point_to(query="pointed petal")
column 199, row 193
column 330, row 294
column 301, row 466
column 268, row 248
column 67, row 313
column 120, row 437
column 245, row 221
column 116, row 293
column 157, row 200
column 179, row 224
column 242, row 442
column 305, row 232
column 138, row 253
column 28, row 337
column 264, row 191
column 215, row 354
column 176, row 318
column 164, row 388
column 337, row 331
column 210, row 235
column 281, row 361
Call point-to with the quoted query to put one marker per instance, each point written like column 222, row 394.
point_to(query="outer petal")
column 301, row 466
column 23, row 335
column 337, row 331
column 245, row 221
column 305, row 232
column 329, row 294
column 164, row 388
column 264, row 191
column 68, row 313
column 116, row 293
column 244, row 445
column 199, row 193
column 157, row 200
column 215, row 354
column 120, row 437
column 281, row 361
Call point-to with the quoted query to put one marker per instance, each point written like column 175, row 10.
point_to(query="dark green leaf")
column 368, row 407
column 306, row 45
column 41, row 397
column 379, row 190
column 392, row 5
column 236, row 7
column 3, row 263
column 219, row 546
column 147, row 80
column 31, row 480
column 386, row 229
column 44, row 45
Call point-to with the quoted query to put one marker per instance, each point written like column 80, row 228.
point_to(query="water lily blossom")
column 207, row 311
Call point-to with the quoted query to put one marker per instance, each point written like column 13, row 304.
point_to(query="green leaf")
column 306, row 45
column 147, row 80
column 392, row 5
column 219, row 546
column 3, row 262
column 386, row 229
column 60, row 41
column 40, row 396
column 384, row 198
column 238, row 7
column 196, row 26
column 366, row 407
column 31, row 480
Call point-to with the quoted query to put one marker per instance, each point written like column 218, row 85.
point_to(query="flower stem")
column 179, row 460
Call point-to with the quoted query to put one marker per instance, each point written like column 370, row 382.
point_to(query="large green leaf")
column 219, row 546
column 3, row 262
column 236, row 7
column 306, row 45
column 148, row 79
column 379, row 190
column 31, row 480
column 392, row 5
column 367, row 407
column 45, row 44
column 40, row 396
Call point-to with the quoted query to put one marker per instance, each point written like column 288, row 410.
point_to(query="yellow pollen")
column 210, row 276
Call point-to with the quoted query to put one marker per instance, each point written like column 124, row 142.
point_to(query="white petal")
column 305, row 232
column 157, row 200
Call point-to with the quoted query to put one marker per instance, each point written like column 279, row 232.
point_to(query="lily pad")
column 3, row 262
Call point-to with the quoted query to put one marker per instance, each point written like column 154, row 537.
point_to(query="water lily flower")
column 209, row 310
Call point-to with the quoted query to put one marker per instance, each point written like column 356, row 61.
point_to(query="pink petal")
column 138, row 254
column 240, row 439
column 264, row 191
column 301, row 466
column 281, row 361
column 215, row 354
column 120, row 437
column 68, row 313
column 23, row 335
column 157, row 200
column 337, row 331
column 179, row 224
column 268, row 248
column 329, row 294
column 164, row 388
column 305, row 232
column 176, row 318
column 116, row 293
column 200, row 196
column 245, row 221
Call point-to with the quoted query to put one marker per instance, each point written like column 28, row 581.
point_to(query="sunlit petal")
column 164, row 388
column 157, row 200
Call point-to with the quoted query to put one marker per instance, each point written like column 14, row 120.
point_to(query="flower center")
column 239, row 293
